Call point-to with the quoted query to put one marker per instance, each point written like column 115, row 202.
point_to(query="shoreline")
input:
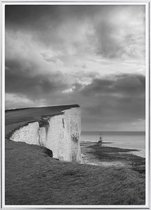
column 124, row 140
column 104, row 155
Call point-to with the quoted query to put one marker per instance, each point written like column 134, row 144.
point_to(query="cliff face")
column 60, row 133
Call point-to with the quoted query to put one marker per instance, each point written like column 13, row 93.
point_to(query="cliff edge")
column 55, row 128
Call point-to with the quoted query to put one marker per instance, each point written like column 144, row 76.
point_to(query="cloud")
column 110, row 31
column 116, row 100
column 20, row 80
column 15, row 100
column 127, row 84
column 65, row 39
column 91, row 55
column 122, row 34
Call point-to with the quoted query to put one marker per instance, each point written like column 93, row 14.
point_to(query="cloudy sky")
column 93, row 56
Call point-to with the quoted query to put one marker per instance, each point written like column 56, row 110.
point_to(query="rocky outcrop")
column 60, row 133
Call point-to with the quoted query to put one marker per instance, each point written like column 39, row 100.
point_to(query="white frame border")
column 147, row 101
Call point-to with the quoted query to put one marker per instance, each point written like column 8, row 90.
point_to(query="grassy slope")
column 33, row 178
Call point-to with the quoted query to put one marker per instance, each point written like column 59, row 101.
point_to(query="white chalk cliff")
column 60, row 133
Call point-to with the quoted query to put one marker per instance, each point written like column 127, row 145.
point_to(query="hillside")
column 32, row 177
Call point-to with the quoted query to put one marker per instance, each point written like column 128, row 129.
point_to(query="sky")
column 91, row 55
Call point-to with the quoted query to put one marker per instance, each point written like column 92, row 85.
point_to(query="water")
column 126, row 140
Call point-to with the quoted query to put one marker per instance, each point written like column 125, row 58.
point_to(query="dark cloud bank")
column 114, row 99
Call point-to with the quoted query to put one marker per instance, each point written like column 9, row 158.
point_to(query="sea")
column 126, row 140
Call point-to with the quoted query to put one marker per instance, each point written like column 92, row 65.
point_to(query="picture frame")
column 68, row 90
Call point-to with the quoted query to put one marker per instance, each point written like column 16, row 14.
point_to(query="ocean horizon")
column 115, row 132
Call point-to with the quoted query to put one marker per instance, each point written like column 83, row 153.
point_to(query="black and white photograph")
column 76, row 113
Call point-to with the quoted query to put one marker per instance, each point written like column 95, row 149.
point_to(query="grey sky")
column 90, row 55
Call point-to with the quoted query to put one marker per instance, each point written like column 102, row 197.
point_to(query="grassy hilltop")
column 33, row 178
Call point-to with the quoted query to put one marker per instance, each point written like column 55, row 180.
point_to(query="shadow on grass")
column 110, row 154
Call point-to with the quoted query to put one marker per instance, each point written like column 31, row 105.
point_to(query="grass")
column 34, row 114
column 33, row 178
column 16, row 118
